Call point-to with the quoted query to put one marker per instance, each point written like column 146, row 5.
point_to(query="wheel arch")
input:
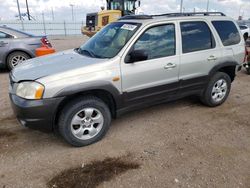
column 226, row 67
column 17, row 50
column 109, row 95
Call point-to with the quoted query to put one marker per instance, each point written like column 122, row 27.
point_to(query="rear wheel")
column 217, row 90
column 84, row 121
column 15, row 58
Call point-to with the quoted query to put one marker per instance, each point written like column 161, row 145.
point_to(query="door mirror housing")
column 136, row 55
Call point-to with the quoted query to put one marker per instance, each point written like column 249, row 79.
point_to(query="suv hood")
column 36, row 68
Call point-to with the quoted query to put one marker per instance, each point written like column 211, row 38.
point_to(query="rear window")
column 228, row 32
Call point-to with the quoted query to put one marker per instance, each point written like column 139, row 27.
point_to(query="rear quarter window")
column 228, row 32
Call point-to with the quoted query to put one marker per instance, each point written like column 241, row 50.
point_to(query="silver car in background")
column 245, row 30
column 17, row 46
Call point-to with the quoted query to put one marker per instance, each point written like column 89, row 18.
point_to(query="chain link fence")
column 46, row 27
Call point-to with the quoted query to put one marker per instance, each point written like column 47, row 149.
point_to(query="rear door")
column 233, row 45
column 200, row 53
column 156, row 77
column 4, row 45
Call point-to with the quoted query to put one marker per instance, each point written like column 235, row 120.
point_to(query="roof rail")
column 191, row 14
column 143, row 17
column 137, row 17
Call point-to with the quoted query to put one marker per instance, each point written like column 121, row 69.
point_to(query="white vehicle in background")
column 245, row 30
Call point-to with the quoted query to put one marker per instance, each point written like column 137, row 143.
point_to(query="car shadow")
column 4, row 70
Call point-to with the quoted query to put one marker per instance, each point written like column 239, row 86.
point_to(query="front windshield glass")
column 108, row 42
column 129, row 7
column 116, row 6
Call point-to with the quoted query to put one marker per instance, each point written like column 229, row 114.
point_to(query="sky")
column 61, row 9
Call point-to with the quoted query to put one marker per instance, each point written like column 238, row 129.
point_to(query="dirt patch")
column 7, row 134
column 5, row 138
column 93, row 174
column 8, row 119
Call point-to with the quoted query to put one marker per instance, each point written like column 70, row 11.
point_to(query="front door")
column 4, row 45
column 156, row 77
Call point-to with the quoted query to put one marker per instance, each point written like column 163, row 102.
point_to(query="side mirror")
column 136, row 55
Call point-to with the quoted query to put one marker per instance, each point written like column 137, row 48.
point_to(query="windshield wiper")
column 91, row 54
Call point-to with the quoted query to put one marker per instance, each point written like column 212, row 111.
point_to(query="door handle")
column 212, row 58
column 2, row 43
column 169, row 66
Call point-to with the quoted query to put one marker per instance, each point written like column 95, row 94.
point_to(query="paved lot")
column 179, row 144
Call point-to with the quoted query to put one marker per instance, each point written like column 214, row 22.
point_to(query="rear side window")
column 228, row 32
column 196, row 36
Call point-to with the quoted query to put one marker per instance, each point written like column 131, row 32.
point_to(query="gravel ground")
column 178, row 144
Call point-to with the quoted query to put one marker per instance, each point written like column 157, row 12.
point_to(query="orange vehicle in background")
column 45, row 49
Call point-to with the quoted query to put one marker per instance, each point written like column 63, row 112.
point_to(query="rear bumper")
column 36, row 114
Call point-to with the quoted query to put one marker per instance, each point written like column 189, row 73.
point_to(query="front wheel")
column 217, row 90
column 84, row 121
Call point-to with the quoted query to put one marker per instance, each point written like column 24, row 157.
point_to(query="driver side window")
column 158, row 41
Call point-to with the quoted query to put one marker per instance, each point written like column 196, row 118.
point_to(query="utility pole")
column 207, row 5
column 240, row 11
column 44, row 27
column 181, row 5
column 28, row 11
column 19, row 12
column 72, row 11
column 52, row 13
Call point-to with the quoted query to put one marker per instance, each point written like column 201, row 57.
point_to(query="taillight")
column 45, row 42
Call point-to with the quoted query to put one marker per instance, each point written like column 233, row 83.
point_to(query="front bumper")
column 36, row 114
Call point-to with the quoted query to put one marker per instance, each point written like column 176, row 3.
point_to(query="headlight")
column 30, row 90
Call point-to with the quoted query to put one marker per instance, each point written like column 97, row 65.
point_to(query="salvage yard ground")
column 178, row 144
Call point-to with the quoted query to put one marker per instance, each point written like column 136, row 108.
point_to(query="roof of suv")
column 144, row 19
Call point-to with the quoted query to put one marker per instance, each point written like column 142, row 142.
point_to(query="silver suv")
column 132, row 63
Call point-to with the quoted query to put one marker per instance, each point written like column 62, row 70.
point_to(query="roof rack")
column 144, row 17
column 136, row 17
column 191, row 14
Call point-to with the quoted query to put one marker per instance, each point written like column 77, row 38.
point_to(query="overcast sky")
column 62, row 9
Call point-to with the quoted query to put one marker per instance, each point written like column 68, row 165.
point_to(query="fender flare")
column 222, row 65
column 91, row 86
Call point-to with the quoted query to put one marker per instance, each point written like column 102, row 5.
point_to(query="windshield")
column 125, row 5
column 108, row 42
column 129, row 7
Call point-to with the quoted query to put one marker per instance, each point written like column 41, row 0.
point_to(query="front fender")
column 91, row 86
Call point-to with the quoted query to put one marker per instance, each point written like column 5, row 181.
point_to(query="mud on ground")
column 178, row 144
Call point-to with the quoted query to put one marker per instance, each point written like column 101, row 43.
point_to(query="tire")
column 216, row 94
column 16, row 58
column 248, row 71
column 78, row 127
column 245, row 36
